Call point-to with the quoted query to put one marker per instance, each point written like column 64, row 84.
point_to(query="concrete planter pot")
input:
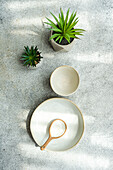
column 58, row 47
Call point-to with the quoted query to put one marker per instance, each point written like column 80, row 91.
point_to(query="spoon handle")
column 46, row 143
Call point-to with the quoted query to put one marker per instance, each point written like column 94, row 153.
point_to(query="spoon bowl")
column 56, row 130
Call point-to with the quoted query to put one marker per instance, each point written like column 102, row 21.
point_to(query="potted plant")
column 31, row 56
column 63, row 32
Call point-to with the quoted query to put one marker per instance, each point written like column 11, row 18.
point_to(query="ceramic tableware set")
column 57, row 124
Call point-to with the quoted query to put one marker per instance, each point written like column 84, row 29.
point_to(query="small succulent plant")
column 31, row 56
column 64, row 27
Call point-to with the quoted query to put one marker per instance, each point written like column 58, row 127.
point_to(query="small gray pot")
column 58, row 47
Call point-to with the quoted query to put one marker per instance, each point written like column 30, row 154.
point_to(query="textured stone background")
column 22, row 89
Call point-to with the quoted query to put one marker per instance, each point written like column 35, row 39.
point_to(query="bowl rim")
column 52, row 75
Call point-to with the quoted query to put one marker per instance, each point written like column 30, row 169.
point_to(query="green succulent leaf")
column 64, row 27
column 72, row 26
column 25, row 56
column 55, row 19
column 57, row 38
column 78, row 33
column 36, row 48
column 75, row 37
column 66, row 19
column 54, row 36
column 70, row 20
column 82, row 30
column 28, row 49
column 26, row 62
column 61, row 23
column 67, row 37
column 62, row 15
column 22, row 59
column 32, row 50
column 31, row 56
column 26, row 52
column 56, row 29
column 52, row 23
column 60, row 39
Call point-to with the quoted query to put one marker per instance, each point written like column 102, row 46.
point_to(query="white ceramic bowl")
column 64, row 80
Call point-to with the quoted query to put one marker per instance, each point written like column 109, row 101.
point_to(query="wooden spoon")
column 50, row 136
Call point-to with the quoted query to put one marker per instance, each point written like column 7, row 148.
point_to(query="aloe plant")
column 31, row 56
column 64, row 27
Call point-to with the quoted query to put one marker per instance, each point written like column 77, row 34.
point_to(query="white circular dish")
column 64, row 80
column 57, row 108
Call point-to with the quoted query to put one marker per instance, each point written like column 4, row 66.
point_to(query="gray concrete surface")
column 22, row 89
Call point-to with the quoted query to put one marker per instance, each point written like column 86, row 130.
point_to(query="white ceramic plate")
column 64, row 80
column 57, row 108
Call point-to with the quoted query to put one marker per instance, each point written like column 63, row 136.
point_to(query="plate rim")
column 81, row 116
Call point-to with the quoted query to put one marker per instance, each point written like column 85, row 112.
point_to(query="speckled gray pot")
column 58, row 47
